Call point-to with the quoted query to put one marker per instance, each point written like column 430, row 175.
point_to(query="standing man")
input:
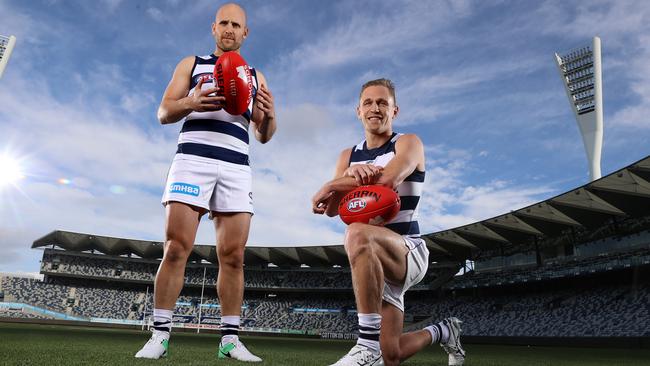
column 209, row 174
column 385, row 261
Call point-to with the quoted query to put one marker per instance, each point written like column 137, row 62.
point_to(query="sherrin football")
column 235, row 82
column 374, row 204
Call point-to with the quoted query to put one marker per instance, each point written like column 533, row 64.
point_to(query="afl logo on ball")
column 356, row 205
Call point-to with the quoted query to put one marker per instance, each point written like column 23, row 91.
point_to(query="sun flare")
column 10, row 171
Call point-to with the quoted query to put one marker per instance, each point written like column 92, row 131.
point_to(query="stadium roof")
column 622, row 194
column 315, row 256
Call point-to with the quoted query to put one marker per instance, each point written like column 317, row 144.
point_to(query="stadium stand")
column 553, row 269
column 58, row 262
column 600, row 311
column 19, row 313
column 575, row 265
column 612, row 311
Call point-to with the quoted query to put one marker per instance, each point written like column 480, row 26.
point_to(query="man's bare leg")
column 181, row 224
column 376, row 254
column 395, row 346
column 232, row 235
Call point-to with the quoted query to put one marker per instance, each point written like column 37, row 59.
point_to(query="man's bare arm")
column 263, row 116
column 326, row 200
column 409, row 155
column 176, row 104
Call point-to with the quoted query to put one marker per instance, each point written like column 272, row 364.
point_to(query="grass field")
column 28, row 344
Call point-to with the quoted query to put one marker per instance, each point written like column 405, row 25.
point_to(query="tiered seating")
column 38, row 293
column 100, row 266
column 7, row 313
column 103, row 302
column 573, row 266
column 605, row 311
column 599, row 311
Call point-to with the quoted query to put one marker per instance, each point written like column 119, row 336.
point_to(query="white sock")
column 162, row 321
column 369, row 329
column 444, row 337
column 439, row 333
column 230, row 329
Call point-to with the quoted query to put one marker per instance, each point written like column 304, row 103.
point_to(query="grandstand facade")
column 574, row 266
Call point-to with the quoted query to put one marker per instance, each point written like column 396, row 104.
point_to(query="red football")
column 375, row 205
column 235, row 82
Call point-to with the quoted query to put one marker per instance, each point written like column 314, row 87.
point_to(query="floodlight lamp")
column 6, row 47
column 581, row 73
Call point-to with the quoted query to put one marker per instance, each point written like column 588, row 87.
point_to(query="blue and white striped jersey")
column 409, row 191
column 216, row 135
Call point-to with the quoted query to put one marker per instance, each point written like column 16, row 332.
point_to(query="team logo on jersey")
column 207, row 77
column 184, row 188
column 356, row 205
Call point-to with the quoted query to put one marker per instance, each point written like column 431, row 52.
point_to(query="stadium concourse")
column 571, row 267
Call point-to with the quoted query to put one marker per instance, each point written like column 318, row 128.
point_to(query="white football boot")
column 453, row 346
column 360, row 356
column 237, row 351
column 156, row 347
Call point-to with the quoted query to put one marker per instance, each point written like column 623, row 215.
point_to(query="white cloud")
column 111, row 5
column 14, row 243
column 96, row 125
column 46, row 206
column 290, row 169
column 623, row 27
column 156, row 14
column 609, row 19
column 635, row 115
column 358, row 36
column 98, row 146
column 23, row 26
column 266, row 13
column 429, row 96
column 498, row 197
column 449, row 202
column 138, row 103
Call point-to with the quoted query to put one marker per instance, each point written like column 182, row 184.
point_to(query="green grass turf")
column 29, row 344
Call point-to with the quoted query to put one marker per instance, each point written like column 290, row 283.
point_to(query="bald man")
column 209, row 174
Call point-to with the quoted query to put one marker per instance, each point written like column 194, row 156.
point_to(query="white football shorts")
column 417, row 263
column 216, row 186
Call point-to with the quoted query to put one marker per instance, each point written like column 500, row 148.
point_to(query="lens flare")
column 10, row 171
column 116, row 189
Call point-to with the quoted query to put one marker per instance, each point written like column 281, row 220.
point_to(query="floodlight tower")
column 581, row 72
column 6, row 46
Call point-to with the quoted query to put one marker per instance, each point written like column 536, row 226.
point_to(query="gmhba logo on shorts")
column 184, row 188
column 356, row 205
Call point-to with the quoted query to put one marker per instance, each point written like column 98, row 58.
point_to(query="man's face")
column 376, row 109
column 229, row 28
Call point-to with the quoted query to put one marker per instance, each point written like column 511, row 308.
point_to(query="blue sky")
column 475, row 80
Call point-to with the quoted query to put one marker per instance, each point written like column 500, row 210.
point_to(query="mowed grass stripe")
column 29, row 344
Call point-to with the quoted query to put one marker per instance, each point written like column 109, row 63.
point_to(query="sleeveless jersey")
column 215, row 135
column 409, row 191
